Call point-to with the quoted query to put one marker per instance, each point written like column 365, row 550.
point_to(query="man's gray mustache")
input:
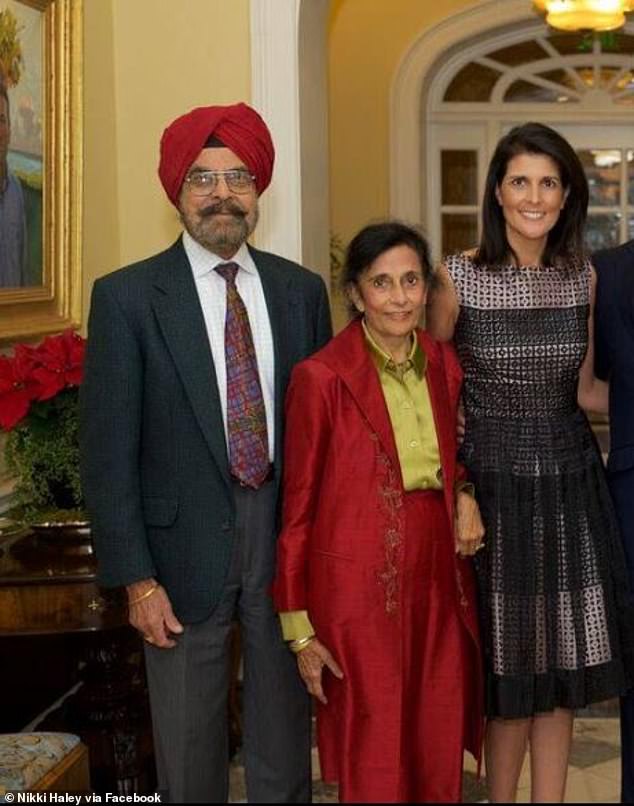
column 225, row 209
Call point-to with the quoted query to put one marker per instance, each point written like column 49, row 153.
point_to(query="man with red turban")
column 189, row 353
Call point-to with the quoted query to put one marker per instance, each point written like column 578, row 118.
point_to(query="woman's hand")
column 468, row 525
column 310, row 662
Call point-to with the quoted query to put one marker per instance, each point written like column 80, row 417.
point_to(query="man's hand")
column 468, row 525
column 153, row 616
column 311, row 661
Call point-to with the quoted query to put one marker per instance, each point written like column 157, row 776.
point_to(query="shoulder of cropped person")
column 616, row 256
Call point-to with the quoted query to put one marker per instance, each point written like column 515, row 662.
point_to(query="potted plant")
column 39, row 389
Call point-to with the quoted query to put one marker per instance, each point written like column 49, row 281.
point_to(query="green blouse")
column 409, row 408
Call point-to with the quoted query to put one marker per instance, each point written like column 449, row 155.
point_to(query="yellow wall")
column 100, row 234
column 146, row 62
column 367, row 40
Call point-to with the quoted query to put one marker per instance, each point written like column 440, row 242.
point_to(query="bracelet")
column 300, row 643
column 145, row 595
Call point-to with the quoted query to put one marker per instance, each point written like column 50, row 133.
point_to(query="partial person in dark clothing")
column 614, row 362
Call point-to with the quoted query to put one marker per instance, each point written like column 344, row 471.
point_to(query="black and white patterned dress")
column 557, row 620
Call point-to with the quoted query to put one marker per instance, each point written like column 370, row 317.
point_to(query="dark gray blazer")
column 614, row 346
column 155, row 472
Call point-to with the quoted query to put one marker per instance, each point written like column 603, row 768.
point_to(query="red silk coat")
column 338, row 554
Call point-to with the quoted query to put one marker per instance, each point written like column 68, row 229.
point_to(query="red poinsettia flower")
column 60, row 363
column 17, row 386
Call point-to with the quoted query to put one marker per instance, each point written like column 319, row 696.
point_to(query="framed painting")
column 40, row 166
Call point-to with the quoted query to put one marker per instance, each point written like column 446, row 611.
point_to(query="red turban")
column 238, row 126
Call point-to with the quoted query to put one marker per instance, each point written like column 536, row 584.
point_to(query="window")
column 572, row 82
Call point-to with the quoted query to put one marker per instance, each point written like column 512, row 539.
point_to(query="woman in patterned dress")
column 556, row 618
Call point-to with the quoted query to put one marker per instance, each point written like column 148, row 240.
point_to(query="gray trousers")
column 189, row 684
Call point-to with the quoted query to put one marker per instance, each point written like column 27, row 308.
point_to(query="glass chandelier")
column 585, row 15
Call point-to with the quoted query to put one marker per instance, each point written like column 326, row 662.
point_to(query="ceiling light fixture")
column 585, row 15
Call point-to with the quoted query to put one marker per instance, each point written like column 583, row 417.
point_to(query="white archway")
column 289, row 87
column 407, row 132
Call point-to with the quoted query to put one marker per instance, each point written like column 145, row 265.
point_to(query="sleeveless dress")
column 557, row 619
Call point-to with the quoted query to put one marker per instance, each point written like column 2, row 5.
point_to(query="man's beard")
column 221, row 235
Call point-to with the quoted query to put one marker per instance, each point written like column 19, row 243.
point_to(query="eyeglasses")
column 203, row 183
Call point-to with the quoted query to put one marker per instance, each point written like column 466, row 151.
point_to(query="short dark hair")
column 376, row 239
column 565, row 240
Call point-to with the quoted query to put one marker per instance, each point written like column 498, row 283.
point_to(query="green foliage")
column 42, row 453
column 609, row 41
column 11, row 59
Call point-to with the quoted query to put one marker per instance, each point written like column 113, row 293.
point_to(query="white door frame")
column 407, row 111
column 289, row 82
column 289, row 88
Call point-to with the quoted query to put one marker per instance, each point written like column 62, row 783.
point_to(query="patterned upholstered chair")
column 43, row 762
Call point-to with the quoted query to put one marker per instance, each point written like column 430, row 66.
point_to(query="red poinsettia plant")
column 39, row 389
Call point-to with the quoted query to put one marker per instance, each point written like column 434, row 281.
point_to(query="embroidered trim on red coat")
column 391, row 501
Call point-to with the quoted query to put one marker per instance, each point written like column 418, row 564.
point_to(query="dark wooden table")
column 47, row 585
column 48, row 588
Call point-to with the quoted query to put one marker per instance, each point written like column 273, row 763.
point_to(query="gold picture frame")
column 53, row 301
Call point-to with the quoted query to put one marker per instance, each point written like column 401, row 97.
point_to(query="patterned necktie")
column 246, row 416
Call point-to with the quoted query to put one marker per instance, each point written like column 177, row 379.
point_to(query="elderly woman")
column 374, row 581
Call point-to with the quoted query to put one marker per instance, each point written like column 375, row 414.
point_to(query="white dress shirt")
column 212, row 293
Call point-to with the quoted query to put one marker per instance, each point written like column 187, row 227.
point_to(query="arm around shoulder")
column 442, row 306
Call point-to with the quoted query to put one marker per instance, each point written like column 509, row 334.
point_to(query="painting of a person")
column 12, row 217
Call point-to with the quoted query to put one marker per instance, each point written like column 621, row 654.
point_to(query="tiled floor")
column 594, row 775
column 595, row 767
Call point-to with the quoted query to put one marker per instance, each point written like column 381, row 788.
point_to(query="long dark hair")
column 565, row 239
column 375, row 239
